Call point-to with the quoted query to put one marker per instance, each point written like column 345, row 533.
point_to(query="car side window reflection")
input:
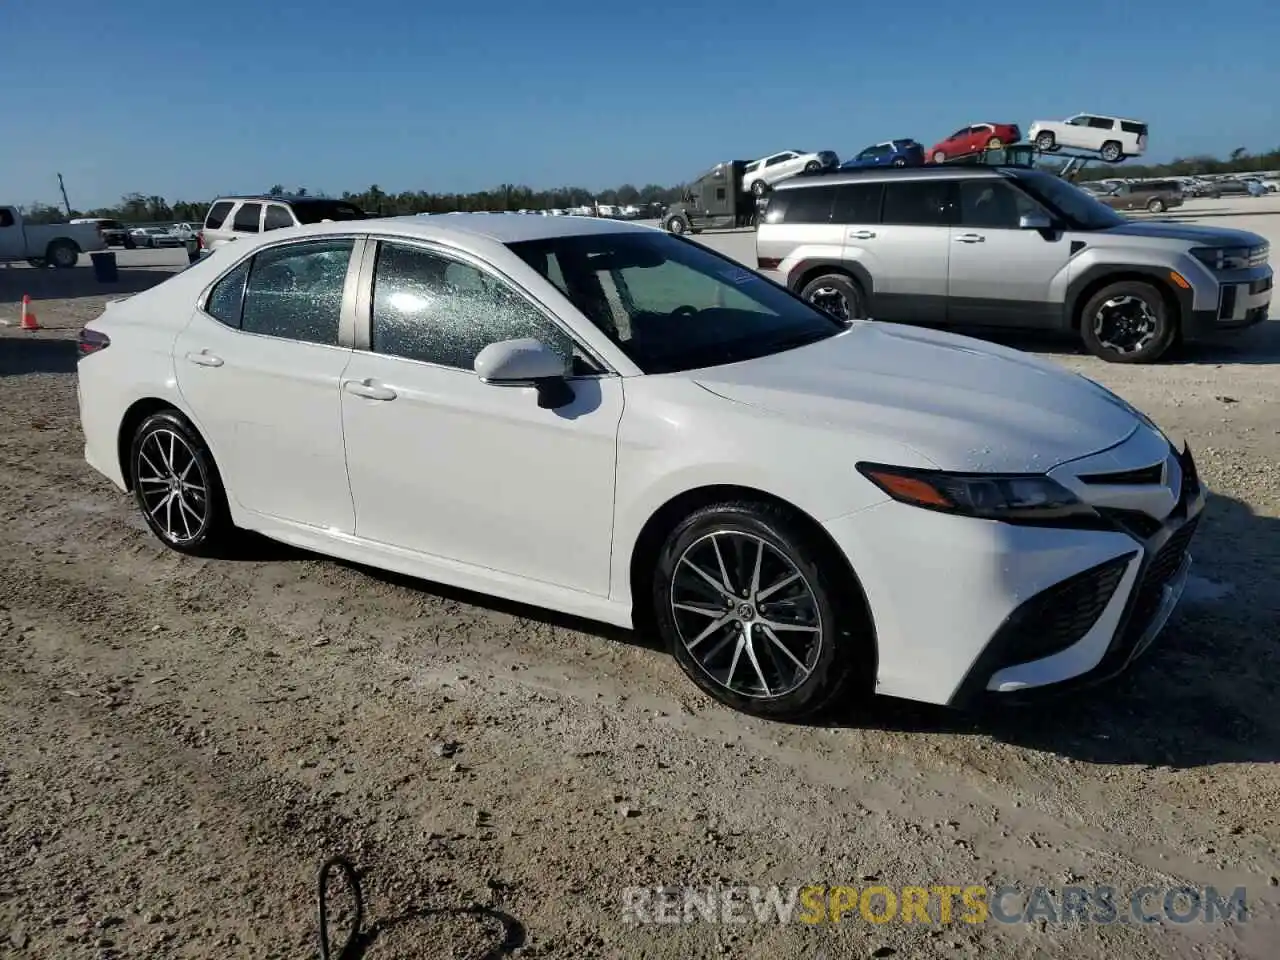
column 437, row 310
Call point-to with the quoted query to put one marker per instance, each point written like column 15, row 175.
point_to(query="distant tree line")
column 1239, row 161
column 140, row 208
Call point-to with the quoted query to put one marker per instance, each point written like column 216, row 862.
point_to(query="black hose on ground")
column 344, row 866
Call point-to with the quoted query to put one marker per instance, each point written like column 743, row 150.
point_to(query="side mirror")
column 1034, row 221
column 526, row 363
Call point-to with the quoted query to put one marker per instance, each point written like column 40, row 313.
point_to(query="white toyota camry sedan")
column 617, row 423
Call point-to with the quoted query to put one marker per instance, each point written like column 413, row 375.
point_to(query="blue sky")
column 190, row 99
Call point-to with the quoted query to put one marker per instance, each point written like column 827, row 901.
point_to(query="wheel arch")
column 137, row 412
column 61, row 242
column 808, row 270
column 648, row 545
column 1091, row 281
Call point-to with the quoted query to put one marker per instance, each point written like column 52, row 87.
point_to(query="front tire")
column 177, row 486
column 939, row 156
column 759, row 187
column 677, row 225
column 1045, row 142
column 836, row 294
column 1128, row 322
column 753, row 615
column 813, row 166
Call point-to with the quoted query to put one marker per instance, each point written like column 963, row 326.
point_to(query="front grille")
column 1159, row 573
column 1142, row 476
column 1060, row 616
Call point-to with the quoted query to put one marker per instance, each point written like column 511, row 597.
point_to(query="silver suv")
column 231, row 217
column 1009, row 247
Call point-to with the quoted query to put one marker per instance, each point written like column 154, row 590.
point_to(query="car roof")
column 949, row 171
column 500, row 228
column 278, row 198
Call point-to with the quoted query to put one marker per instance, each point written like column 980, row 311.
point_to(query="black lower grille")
column 1060, row 616
column 1158, row 575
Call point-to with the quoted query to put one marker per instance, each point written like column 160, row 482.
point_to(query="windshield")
column 315, row 211
column 1081, row 210
column 670, row 304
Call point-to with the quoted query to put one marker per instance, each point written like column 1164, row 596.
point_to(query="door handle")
column 862, row 234
column 970, row 238
column 368, row 389
column 205, row 359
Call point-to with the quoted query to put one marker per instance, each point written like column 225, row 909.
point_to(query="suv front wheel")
column 1127, row 322
column 837, row 295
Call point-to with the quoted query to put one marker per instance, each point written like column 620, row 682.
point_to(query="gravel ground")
column 183, row 742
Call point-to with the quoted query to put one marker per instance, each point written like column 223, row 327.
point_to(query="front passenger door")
column 998, row 273
column 450, row 467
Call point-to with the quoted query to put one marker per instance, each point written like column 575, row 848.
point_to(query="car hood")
column 959, row 403
column 1205, row 236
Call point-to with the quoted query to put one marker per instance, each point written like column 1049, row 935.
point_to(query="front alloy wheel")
column 745, row 614
column 751, row 616
column 1128, row 322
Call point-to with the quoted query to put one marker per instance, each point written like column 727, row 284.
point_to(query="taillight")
column 200, row 240
column 91, row 341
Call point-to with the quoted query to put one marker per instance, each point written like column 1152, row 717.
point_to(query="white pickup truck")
column 59, row 244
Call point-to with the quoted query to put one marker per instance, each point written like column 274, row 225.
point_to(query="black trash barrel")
column 104, row 267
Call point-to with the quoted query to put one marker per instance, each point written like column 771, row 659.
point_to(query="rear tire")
column 177, row 486
column 838, row 295
column 1156, row 205
column 813, row 166
column 939, row 156
column 899, row 161
column 785, row 653
column 1128, row 322
column 63, row 254
column 1112, row 152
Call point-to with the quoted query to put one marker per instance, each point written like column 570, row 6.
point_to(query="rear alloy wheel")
column 995, row 143
column 1111, row 151
column 813, row 166
column 752, row 617
column 1156, row 205
column 1127, row 322
column 899, row 161
column 836, row 294
column 177, row 487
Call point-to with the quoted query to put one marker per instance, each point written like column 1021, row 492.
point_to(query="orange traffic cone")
column 29, row 321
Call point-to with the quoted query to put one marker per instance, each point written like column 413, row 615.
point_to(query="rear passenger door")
column 912, row 245
column 808, row 233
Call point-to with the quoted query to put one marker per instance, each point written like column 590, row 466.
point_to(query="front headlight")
column 1223, row 258
column 984, row 495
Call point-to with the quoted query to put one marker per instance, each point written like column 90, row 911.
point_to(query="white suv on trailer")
column 1113, row 138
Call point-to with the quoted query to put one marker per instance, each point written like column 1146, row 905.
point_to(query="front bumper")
column 1154, row 579
column 1241, row 303
column 967, row 610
